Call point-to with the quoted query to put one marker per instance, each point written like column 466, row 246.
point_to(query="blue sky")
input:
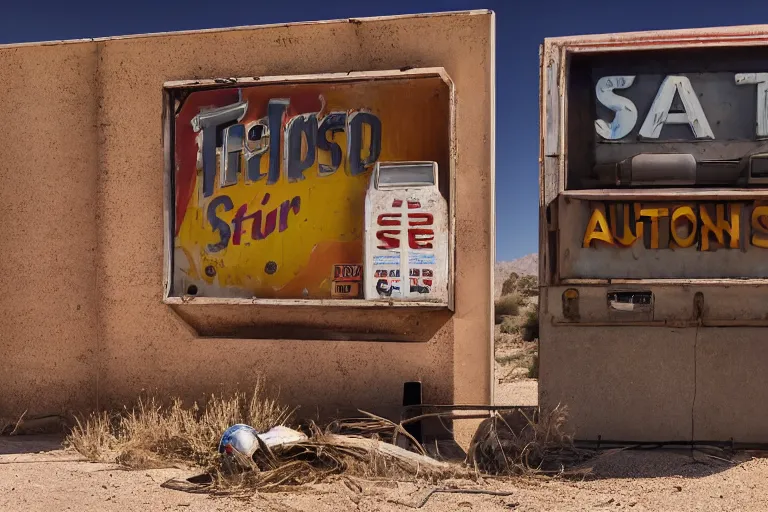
column 520, row 28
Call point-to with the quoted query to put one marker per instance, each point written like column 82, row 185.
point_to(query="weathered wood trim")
column 168, row 193
column 339, row 303
column 391, row 74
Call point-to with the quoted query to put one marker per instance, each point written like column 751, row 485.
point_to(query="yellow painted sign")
column 270, row 181
column 707, row 226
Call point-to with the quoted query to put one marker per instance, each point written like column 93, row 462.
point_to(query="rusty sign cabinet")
column 654, row 234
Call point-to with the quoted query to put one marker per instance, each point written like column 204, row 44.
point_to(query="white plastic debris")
column 242, row 438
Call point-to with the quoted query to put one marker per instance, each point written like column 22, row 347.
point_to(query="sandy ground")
column 37, row 475
column 518, row 392
column 513, row 357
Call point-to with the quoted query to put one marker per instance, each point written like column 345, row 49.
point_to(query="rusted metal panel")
column 270, row 177
column 661, row 39
column 671, row 305
column 659, row 227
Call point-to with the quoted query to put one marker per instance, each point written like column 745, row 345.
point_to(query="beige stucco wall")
column 83, row 320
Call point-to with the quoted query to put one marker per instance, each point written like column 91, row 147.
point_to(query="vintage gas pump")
column 406, row 234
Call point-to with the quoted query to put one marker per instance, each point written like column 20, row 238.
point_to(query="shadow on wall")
column 342, row 324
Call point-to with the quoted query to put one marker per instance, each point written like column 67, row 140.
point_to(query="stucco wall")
column 83, row 267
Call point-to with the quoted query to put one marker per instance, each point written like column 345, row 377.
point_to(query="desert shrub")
column 509, row 326
column 510, row 284
column 531, row 317
column 529, row 323
column 528, row 286
column 523, row 442
column 533, row 370
column 508, row 305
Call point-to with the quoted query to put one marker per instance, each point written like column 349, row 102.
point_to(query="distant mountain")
column 527, row 265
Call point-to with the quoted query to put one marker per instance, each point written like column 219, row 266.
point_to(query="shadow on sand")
column 18, row 445
column 664, row 462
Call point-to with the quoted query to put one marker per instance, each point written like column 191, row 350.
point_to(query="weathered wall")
column 620, row 383
column 105, row 142
column 49, row 169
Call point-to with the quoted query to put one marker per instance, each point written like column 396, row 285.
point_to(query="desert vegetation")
column 155, row 434
column 517, row 325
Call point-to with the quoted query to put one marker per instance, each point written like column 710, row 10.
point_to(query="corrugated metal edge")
column 474, row 12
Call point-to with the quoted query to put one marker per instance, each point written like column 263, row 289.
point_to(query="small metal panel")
column 722, row 304
column 406, row 234
column 629, row 305
column 601, row 304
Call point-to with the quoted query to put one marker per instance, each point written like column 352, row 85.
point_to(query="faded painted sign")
column 673, row 118
column 406, row 249
column 705, row 226
column 675, row 103
column 663, row 239
column 270, row 181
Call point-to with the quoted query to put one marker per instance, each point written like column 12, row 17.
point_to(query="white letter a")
column 659, row 114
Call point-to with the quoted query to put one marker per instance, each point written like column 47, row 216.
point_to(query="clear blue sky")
column 520, row 28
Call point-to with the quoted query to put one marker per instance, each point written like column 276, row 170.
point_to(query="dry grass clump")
column 518, row 443
column 154, row 435
column 6, row 426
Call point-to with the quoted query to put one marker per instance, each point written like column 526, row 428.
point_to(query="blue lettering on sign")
column 257, row 138
column 421, row 259
column 393, row 259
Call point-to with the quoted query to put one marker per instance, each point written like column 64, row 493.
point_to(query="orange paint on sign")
column 709, row 226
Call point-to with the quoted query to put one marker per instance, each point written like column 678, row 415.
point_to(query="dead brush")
column 323, row 455
column 519, row 444
column 346, row 448
column 154, row 435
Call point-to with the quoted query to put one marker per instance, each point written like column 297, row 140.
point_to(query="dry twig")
column 453, row 491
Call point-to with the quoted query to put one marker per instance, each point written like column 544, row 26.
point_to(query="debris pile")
column 264, row 454
column 283, row 457
column 516, row 443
